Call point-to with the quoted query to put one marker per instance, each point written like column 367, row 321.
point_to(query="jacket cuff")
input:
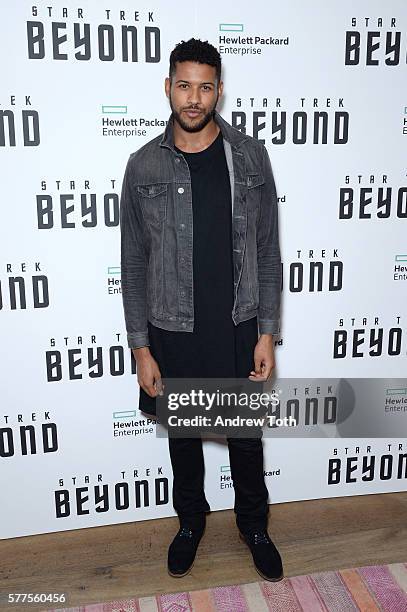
column 268, row 326
column 137, row 340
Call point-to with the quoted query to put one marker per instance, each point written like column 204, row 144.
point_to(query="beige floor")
column 119, row 561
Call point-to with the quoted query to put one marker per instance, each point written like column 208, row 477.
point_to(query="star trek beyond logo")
column 375, row 42
column 133, row 489
column 61, row 34
column 27, row 434
column 368, row 338
column 23, row 286
column 315, row 271
column 358, row 464
column 84, row 357
column 371, row 196
column 304, row 121
column 76, row 204
column 19, row 123
column 310, row 405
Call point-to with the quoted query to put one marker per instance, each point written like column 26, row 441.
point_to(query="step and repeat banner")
column 324, row 87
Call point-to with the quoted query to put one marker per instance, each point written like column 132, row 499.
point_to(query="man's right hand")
column 148, row 371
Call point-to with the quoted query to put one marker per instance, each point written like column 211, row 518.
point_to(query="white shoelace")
column 185, row 532
column 261, row 538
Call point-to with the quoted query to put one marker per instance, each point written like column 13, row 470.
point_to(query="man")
column 201, row 283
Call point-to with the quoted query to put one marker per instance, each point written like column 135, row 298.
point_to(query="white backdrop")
column 66, row 372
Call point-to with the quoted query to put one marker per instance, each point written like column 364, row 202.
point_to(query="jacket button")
column 177, row 160
column 182, row 225
column 180, row 190
column 183, row 324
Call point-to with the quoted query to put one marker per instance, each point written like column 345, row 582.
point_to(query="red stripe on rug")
column 174, row 601
column 306, row 594
column 333, row 592
column 281, row 596
column 229, row 598
column 202, row 600
column 386, row 590
column 359, row 590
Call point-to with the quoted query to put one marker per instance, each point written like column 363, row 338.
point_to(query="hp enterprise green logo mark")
column 231, row 27
column 113, row 270
column 114, row 110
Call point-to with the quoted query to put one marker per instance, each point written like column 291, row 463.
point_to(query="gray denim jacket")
column 156, row 236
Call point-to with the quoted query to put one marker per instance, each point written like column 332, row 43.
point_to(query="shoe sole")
column 257, row 570
column 181, row 575
column 192, row 564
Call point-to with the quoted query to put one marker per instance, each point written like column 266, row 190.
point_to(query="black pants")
column 246, row 465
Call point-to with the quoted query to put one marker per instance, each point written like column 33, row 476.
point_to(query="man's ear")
column 167, row 86
column 220, row 88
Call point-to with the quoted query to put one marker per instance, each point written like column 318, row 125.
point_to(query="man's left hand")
column 264, row 360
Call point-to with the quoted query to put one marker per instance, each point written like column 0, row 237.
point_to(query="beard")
column 199, row 125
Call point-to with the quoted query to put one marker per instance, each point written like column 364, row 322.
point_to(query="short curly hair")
column 195, row 50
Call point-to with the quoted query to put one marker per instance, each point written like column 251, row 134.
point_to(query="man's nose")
column 194, row 95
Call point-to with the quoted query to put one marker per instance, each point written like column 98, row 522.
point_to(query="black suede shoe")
column 182, row 550
column 266, row 557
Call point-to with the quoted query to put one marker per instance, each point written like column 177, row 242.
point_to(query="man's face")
column 193, row 94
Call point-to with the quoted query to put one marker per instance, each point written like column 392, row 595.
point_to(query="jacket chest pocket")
column 254, row 182
column 153, row 201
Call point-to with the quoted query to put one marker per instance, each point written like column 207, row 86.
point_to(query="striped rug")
column 370, row 588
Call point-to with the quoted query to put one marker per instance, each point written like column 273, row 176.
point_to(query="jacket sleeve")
column 133, row 263
column 268, row 254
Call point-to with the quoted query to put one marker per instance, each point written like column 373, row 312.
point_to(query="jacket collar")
column 229, row 133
